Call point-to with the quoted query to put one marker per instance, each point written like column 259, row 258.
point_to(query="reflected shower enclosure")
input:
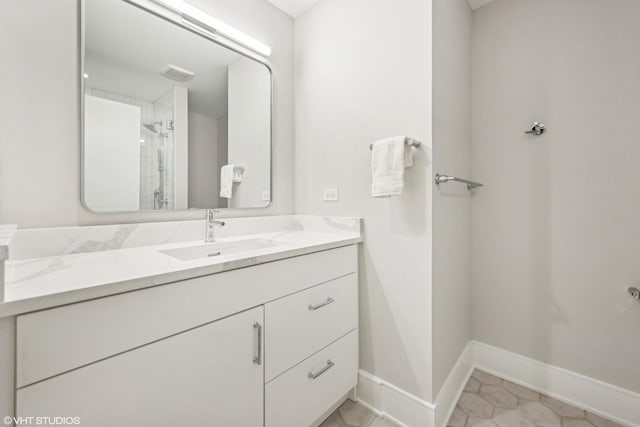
column 152, row 140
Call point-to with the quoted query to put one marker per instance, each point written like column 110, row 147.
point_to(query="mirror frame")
column 149, row 7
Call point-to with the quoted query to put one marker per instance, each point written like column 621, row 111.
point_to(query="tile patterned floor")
column 489, row 401
column 352, row 414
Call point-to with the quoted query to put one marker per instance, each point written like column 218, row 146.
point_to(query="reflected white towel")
column 237, row 173
column 226, row 181
column 389, row 158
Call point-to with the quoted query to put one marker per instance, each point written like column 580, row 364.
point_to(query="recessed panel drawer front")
column 100, row 328
column 304, row 393
column 301, row 324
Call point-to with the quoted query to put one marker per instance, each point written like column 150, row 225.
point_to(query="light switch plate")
column 330, row 195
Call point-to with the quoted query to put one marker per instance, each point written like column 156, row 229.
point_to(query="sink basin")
column 211, row 250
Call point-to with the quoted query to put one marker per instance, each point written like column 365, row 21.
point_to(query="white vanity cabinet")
column 211, row 375
column 241, row 348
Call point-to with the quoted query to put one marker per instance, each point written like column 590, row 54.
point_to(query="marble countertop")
column 36, row 283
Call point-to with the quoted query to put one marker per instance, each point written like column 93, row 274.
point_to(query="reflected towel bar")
column 409, row 141
column 440, row 179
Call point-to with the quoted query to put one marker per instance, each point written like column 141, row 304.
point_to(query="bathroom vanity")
column 262, row 336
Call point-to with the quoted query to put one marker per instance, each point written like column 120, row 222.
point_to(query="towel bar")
column 409, row 141
column 440, row 179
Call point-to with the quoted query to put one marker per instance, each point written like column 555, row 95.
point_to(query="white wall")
column 451, row 202
column 556, row 230
column 112, row 155
column 39, row 90
column 204, row 170
column 249, row 131
column 181, row 143
column 363, row 73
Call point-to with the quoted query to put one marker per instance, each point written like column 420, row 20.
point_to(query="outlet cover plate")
column 330, row 195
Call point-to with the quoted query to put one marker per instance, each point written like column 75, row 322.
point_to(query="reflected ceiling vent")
column 176, row 73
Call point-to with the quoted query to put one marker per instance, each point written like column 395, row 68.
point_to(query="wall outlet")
column 330, row 195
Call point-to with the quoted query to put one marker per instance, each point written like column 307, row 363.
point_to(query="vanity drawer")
column 301, row 324
column 295, row 399
column 102, row 327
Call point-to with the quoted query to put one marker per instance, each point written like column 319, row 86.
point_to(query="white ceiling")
column 126, row 48
column 294, row 8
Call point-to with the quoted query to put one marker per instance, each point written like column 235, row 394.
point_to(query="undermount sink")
column 210, row 250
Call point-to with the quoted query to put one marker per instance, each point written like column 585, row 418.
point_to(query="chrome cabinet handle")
column 313, row 376
column 322, row 304
column 257, row 359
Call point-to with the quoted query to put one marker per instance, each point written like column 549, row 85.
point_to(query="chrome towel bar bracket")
column 441, row 179
column 409, row 141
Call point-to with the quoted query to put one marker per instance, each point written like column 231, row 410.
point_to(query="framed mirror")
column 172, row 120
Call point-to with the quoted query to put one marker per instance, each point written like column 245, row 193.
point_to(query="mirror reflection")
column 172, row 120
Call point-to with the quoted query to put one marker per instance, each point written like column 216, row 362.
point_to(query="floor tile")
column 480, row 422
column 601, row 422
column 458, row 418
column 562, row 408
column 512, row 419
column 485, row 378
column 334, row 420
column 498, row 397
column 539, row 414
column 473, row 385
column 355, row 415
column 575, row 422
column 489, row 401
column 520, row 392
column 382, row 422
column 474, row 405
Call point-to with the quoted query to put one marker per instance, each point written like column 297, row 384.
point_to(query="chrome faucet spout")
column 210, row 225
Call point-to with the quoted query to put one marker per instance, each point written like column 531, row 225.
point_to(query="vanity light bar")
column 193, row 16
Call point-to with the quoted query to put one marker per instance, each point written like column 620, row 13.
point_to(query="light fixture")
column 195, row 17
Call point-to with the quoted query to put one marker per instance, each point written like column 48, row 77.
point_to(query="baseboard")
column 393, row 403
column 454, row 385
column 600, row 398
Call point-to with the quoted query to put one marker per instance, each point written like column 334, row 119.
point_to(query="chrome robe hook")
column 537, row 129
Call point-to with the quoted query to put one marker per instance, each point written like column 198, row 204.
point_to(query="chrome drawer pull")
column 313, row 376
column 257, row 359
column 322, row 304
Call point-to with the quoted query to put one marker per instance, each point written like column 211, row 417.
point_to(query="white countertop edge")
column 41, row 302
column 7, row 231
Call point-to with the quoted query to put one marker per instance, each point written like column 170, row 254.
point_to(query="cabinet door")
column 208, row 376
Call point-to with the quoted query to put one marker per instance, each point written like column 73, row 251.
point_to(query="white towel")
column 389, row 158
column 226, row 181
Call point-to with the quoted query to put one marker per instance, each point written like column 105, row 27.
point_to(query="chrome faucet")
column 210, row 225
